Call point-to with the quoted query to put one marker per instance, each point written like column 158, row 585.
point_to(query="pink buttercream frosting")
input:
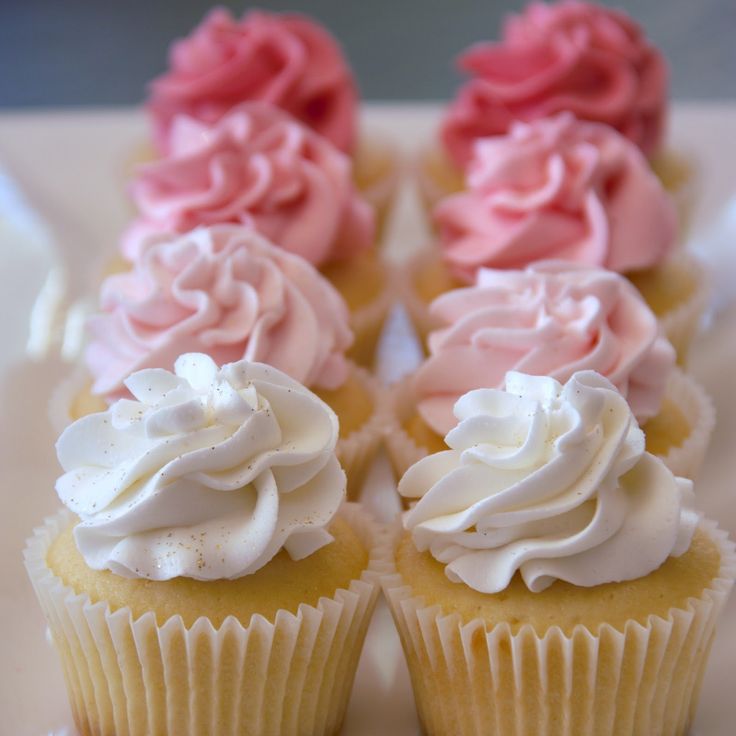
column 571, row 55
column 557, row 188
column 260, row 167
column 552, row 319
column 224, row 291
column 286, row 60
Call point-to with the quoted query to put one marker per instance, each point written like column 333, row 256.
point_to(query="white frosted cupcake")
column 551, row 575
column 551, row 319
column 228, row 292
column 206, row 577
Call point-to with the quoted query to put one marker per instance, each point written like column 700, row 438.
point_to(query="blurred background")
column 78, row 52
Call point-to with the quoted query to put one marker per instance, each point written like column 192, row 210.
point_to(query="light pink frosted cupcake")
column 286, row 60
column 227, row 292
column 260, row 167
column 562, row 188
column 551, row 319
column 592, row 61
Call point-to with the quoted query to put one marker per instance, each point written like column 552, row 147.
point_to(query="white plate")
column 66, row 163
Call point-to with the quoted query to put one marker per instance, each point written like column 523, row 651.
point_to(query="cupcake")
column 552, row 576
column 228, row 292
column 205, row 576
column 260, row 167
column 551, row 319
column 562, row 188
column 592, row 61
column 285, row 60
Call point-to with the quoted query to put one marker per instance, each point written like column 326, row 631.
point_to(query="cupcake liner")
column 677, row 170
column 416, row 306
column 63, row 396
column 436, row 176
column 401, row 448
column 680, row 323
column 367, row 321
column 697, row 408
column 292, row 675
column 683, row 460
column 469, row 679
column 379, row 190
column 357, row 451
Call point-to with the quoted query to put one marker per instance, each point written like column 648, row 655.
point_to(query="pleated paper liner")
column 291, row 675
column 71, row 398
column 677, row 292
column 357, row 451
column 420, row 280
column 678, row 172
column 682, row 392
column 378, row 169
column 643, row 680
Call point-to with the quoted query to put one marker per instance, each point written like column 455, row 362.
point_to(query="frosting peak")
column 260, row 167
column 224, row 291
column 286, row 60
column 551, row 319
column 207, row 473
column 569, row 55
column 551, row 481
column 557, row 188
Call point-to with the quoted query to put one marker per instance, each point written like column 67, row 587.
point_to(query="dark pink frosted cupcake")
column 592, row 61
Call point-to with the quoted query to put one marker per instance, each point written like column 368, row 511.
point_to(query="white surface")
column 71, row 168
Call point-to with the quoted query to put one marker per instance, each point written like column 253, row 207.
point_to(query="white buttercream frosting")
column 549, row 480
column 207, row 473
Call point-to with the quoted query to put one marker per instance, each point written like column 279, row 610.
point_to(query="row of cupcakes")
column 550, row 576
column 554, row 187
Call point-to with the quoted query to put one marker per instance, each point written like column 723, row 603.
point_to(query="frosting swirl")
column 570, row 55
column 224, row 291
column 256, row 166
column 557, row 188
column 549, row 480
column 207, row 474
column 285, row 60
column 552, row 319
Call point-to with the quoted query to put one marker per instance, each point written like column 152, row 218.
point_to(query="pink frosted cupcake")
column 551, row 319
column 573, row 56
column 227, row 292
column 285, row 60
column 258, row 166
column 562, row 188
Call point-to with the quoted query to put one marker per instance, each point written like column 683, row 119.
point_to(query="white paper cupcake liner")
column 681, row 323
column 431, row 188
column 367, row 321
column 683, row 460
column 416, row 307
column 63, row 395
column 678, row 172
column 292, row 675
column 357, row 451
column 471, row 679
column 381, row 192
column 401, row 447
column 697, row 408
